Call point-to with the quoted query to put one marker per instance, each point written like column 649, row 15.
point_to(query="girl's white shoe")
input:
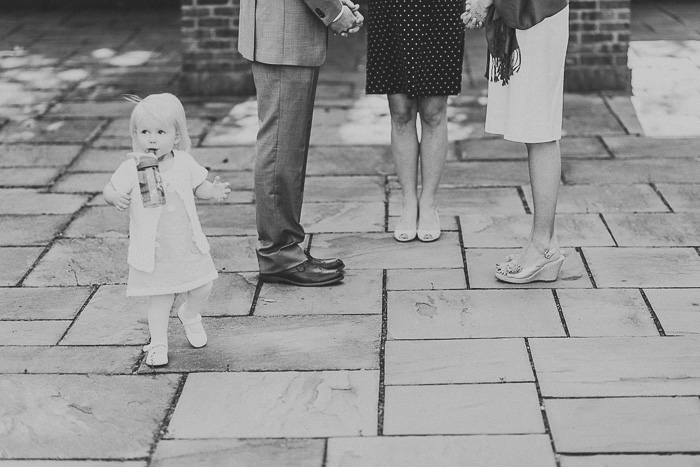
column 157, row 354
column 546, row 268
column 194, row 329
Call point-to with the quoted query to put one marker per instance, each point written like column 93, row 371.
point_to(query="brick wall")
column 596, row 60
column 598, row 41
column 211, row 64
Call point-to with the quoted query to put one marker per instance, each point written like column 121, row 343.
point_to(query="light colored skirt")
column 529, row 108
column 179, row 265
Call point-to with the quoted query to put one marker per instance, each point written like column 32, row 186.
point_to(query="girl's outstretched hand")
column 219, row 189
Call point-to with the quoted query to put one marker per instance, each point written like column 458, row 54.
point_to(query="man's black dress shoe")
column 304, row 275
column 330, row 263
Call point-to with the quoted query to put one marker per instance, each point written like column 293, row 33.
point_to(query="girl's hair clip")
column 132, row 98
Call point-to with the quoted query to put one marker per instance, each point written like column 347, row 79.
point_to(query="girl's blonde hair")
column 165, row 108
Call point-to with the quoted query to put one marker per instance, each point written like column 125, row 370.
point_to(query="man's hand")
column 347, row 23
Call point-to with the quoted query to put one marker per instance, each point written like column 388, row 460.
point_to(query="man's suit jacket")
column 286, row 32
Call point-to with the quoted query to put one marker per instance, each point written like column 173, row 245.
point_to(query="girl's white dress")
column 179, row 265
column 182, row 261
column 529, row 108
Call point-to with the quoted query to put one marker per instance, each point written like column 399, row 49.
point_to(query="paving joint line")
column 168, row 416
column 661, row 196
column 540, row 398
column 657, row 321
column 561, row 312
column 382, row 356
column 607, row 227
column 579, row 250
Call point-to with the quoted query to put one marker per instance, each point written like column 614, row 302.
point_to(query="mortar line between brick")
column 168, row 416
column 382, row 355
column 543, row 411
column 657, row 322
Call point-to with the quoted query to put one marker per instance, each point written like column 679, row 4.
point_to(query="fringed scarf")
column 502, row 20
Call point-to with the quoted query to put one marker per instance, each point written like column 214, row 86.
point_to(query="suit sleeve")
column 325, row 10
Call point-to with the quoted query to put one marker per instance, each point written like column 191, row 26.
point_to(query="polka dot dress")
column 415, row 47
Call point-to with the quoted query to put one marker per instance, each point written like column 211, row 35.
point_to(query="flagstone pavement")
column 420, row 357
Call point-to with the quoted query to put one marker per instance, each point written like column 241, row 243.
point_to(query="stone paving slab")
column 587, row 114
column 94, row 159
column 681, row 198
column 606, row 312
column 455, row 314
column 32, row 332
column 605, row 199
column 667, row 229
column 490, row 231
column 678, row 311
column 632, row 460
column 99, row 221
column 357, row 189
column 457, row 362
column 67, row 360
column 235, row 254
column 461, row 201
column 587, row 147
column 343, row 217
column 274, row 343
column 359, row 293
column 644, row 267
column 51, row 130
column 68, row 416
column 485, row 174
column 451, row 451
column 30, row 230
column 21, row 177
column 623, row 366
column 16, row 262
column 481, row 268
column 42, row 303
column 37, row 155
column 462, row 409
column 25, row 201
column 83, row 261
column 623, row 109
column 350, row 160
column 242, row 452
column 625, row 425
column 382, row 251
column 425, row 279
column 631, row 171
column 274, row 405
column 231, row 295
column 110, row 318
column 93, row 182
column 227, row 219
column 624, row 147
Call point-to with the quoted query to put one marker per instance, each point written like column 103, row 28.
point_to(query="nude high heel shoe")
column 433, row 232
column 545, row 269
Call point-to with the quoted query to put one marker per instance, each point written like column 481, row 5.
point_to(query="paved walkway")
column 420, row 358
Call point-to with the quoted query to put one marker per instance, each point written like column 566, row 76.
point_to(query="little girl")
column 168, row 252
